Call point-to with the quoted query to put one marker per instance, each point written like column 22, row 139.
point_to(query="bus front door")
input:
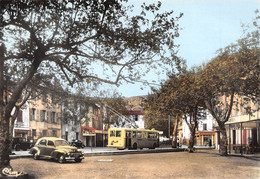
column 128, row 139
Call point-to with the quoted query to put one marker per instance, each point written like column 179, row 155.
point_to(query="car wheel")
column 35, row 156
column 61, row 158
column 78, row 160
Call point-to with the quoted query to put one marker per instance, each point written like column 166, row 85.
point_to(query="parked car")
column 56, row 148
column 19, row 143
column 77, row 143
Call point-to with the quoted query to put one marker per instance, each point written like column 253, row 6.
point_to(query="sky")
column 207, row 25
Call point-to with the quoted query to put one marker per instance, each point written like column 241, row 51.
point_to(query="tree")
column 186, row 98
column 69, row 40
column 154, row 116
column 114, row 107
column 234, row 72
column 180, row 96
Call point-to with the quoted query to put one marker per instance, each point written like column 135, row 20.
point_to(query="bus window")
column 151, row 135
column 128, row 134
column 145, row 135
column 139, row 134
column 118, row 133
column 112, row 133
column 134, row 134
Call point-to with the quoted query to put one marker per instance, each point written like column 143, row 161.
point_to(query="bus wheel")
column 135, row 146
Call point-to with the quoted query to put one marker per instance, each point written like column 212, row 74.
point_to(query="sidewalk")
column 99, row 151
column 95, row 151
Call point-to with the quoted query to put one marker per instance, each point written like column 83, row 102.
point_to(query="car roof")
column 51, row 138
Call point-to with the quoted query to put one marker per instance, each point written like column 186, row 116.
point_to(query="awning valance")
column 93, row 130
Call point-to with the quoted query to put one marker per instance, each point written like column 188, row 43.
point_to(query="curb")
column 133, row 152
column 113, row 153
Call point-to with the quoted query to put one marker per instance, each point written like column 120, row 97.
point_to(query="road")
column 203, row 164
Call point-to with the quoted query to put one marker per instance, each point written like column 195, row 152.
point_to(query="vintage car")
column 19, row 143
column 77, row 143
column 56, row 148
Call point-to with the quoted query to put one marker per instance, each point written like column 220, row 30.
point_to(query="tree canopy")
column 79, row 43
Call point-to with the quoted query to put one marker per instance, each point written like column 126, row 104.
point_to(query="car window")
column 50, row 143
column 61, row 142
column 42, row 142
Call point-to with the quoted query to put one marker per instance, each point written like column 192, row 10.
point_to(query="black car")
column 20, row 143
column 77, row 143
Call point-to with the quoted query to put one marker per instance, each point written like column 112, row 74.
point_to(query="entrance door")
column 128, row 139
column 254, row 136
column 234, row 137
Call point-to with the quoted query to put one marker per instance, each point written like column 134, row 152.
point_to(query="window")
column 112, row 134
column 42, row 142
column 43, row 115
column 33, row 132
column 204, row 127
column 66, row 121
column 44, row 133
column 118, row 133
column 20, row 116
column 53, row 117
column 134, row 134
column 128, row 134
column 50, row 143
column 66, row 135
column 139, row 134
column 54, row 133
column 33, row 114
column 77, row 135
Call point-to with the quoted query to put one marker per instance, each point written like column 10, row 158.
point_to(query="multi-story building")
column 204, row 134
column 71, row 120
column 92, row 133
column 135, row 111
column 243, row 127
column 21, row 124
column 45, row 117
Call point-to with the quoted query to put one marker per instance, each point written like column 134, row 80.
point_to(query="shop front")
column 244, row 137
column 92, row 137
column 206, row 138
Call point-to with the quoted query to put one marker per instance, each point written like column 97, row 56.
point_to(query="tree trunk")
column 223, row 140
column 4, row 142
column 192, row 139
column 175, row 133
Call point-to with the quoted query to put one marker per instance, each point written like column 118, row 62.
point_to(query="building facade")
column 205, row 134
column 92, row 133
column 135, row 110
column 45, row 118
column 243, row 128
column 22, row 123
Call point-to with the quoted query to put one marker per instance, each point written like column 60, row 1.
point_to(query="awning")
column 206, row 133
column 101, row 131
column 86, row 128
column 93, row 130
column 21, row 131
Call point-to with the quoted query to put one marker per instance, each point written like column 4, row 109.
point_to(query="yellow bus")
column 121, row 138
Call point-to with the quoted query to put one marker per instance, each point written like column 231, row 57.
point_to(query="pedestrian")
column 210, row 144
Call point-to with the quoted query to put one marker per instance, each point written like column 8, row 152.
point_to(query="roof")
column 51, row 138
column 135, row 103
